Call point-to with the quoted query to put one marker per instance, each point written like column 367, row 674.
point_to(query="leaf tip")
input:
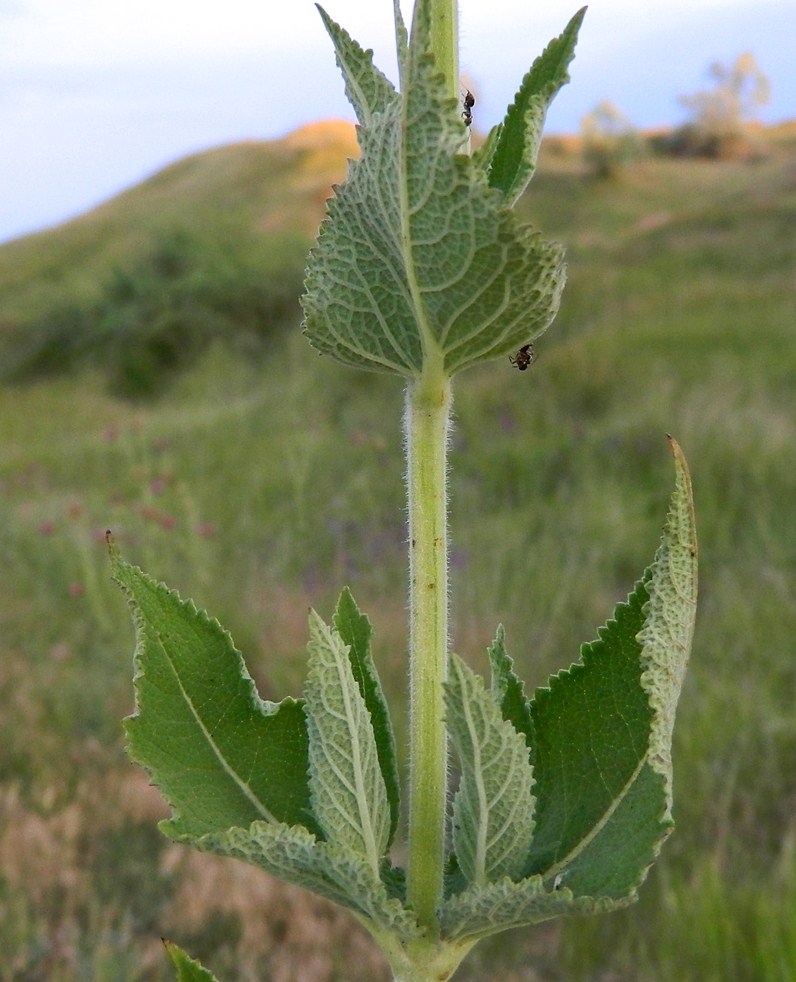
column 318, row 628
column 675, row 447
column 110, row 543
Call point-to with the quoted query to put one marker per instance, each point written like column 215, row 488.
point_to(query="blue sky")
column 97, row 94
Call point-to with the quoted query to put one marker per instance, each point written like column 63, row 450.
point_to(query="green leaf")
column 482, row 155
column 493, row 807
column 602, row 734
column 509, row 690
column 513, row 161
column 669, row 618
column 603, row 728
column 480, row 911
column 349, row 796
column 326, row 868
column 601, row 807
column 220, row 755
column 366, row 88
column 356, row 631
column 401, row 39
column 419, row 262
column 188, row 970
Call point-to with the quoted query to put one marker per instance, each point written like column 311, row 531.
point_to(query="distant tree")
column 610, row 140
column 720, row 116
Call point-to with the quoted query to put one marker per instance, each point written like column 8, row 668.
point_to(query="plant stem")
column 445, row 41
column 427, row 419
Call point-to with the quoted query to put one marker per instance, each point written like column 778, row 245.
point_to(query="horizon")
column 140, row 93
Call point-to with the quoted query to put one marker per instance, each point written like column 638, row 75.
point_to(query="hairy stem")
column 427, row 420
column 445, row 41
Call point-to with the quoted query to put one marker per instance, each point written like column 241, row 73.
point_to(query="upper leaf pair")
column 420, row 264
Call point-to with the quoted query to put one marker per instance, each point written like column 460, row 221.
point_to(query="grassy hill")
column 261, row 485
column 275, row 190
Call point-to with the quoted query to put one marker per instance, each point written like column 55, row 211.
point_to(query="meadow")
column 260, row 484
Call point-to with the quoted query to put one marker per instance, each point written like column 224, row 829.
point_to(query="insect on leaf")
column 418, row 260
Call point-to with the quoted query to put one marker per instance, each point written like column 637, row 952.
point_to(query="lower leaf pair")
column 564, row 799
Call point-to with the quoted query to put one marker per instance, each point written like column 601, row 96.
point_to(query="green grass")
column 259, row 488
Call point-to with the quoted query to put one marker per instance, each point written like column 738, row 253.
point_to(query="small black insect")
column 524, row 358
column 469, row 102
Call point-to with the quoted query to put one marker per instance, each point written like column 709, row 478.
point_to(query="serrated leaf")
column 366, row 88
column 482, row 155
column 509, row 690
column 349, row 797
column 602, row 729
column 513, row 160
column 220, row 755
column 419, row 262
column 188, row 969
column 356, row 631
column 669, row 617
column 493, row 807
column 592, row 730
column 480, row 911
column 294, row 855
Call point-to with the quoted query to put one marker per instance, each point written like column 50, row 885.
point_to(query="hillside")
column 225, row 232
column 277, row 189
column 274, row 189
column 260, row 486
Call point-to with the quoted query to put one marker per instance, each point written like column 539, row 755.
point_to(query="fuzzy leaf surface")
column 419, row 260
column 220, row 755
column 493, row 807
column 509, row 690
column 332, row 871
column 188, row 969
column 512, row 159
column 602, row 729
column 401, row 39
column 349, row 796
column 482, row 155
column 355, row 631
column 366, row 88
column 481, row 911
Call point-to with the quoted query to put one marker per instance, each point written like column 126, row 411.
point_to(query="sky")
column 96, row 95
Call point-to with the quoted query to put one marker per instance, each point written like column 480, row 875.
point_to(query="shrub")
column 610, row 140
column 157, row 315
